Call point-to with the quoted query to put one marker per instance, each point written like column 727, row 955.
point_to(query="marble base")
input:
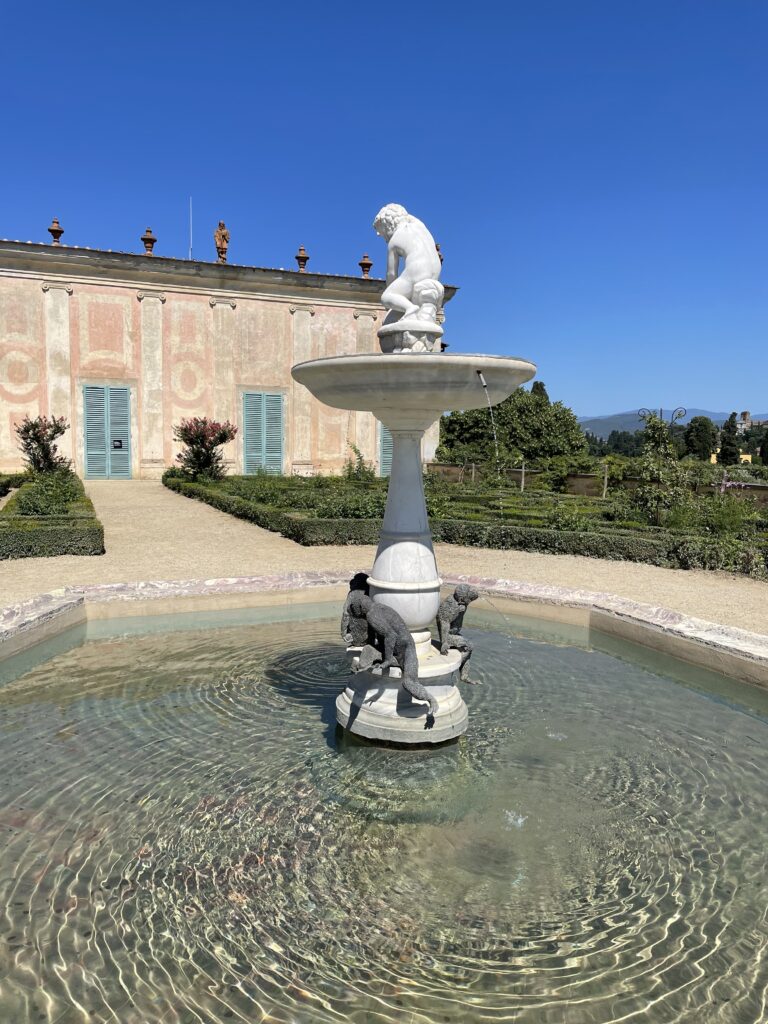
column 410, row 335
column 377, row 707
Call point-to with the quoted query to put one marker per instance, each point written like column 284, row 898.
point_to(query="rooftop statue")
column 413, row 294
column 221, row 241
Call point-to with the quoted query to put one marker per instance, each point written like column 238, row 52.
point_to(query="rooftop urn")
column 56, row 231
column 149, row 242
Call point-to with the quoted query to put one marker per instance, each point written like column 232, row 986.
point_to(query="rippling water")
column 185, row 839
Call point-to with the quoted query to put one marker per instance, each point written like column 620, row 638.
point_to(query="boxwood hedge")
column 74, row 530
column 655, row 548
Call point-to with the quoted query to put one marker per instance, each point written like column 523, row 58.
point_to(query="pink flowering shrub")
column 36, row 441
column 202, row 438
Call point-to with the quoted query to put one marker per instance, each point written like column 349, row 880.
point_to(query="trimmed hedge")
column 10, row 481
column 657, row 548
column 27, row 537
column 75, row 532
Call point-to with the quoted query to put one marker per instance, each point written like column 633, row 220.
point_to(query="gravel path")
column 153, row 534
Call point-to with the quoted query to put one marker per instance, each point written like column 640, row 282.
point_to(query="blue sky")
column 596, row 172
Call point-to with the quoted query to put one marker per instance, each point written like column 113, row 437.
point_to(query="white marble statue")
column 413, row 294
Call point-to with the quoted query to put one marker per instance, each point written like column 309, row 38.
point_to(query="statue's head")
column 359, row 582
column 388, row 218
column 360, row 605
column 465, row 594
column 221, row 223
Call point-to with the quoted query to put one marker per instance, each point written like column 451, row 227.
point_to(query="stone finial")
column 149, row 242
column 302, row 259
column 56, row 231
column 221, row 241
column 365, row 265
column 437, row 246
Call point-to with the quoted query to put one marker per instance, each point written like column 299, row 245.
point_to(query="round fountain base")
column 377, row 706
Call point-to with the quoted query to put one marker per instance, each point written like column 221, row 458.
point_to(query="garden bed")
column 45, row 518
column 294, row 508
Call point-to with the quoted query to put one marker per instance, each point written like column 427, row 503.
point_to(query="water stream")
column 495, row 444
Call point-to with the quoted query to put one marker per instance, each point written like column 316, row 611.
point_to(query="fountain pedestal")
column 408, row 392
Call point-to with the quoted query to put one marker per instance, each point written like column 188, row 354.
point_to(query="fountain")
column 404, row 689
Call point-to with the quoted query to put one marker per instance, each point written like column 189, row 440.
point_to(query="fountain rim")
column 417, row 358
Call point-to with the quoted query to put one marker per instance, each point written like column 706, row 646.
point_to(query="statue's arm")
column 393, row 263
column 345, row 623
column 443, row 629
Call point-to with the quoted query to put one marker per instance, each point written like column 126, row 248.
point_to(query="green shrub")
column 10, row 481
column 724, row 553
column 357, row 469
column 565, row 517
column 48, row 494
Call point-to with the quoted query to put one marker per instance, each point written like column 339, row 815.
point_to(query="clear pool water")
column 185, row 838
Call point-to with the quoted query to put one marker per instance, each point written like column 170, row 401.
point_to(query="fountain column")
column 404, row 574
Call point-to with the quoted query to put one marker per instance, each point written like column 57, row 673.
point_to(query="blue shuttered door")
column 385, row 451
column 107, row 433
column 262, row 432
column 119, row 434
column 95, row 404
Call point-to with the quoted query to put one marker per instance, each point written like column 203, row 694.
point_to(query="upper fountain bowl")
column 412, row 390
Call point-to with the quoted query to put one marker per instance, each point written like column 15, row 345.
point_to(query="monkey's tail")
column 414, row 687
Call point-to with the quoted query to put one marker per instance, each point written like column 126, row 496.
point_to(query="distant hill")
column 601, row 426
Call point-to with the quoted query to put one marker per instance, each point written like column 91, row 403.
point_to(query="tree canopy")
column 700, row 438
column 729, row 443
column 528, row 425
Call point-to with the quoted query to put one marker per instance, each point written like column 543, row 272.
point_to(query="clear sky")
column 596, row 171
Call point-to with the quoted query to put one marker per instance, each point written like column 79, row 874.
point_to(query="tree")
column 528, row 425
column 729, row 443
column 701, row 438
column 36, row 441
column 663, row 484
column 538, row 388
column 764, row 448
column 202, row 439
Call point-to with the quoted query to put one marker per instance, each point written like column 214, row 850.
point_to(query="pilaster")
column 301, row 454
column 58, row 359
column 152, row 421
column 224, row 347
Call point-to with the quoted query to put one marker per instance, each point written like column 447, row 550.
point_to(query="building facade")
column 125, row 346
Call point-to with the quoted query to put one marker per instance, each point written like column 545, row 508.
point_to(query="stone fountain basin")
column 413, row 387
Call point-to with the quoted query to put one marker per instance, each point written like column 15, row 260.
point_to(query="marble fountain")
column 188, row 835
column 409, row 693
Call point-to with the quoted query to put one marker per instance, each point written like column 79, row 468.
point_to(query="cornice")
column 171, row 275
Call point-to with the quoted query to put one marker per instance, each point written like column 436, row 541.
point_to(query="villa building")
column 125, row 346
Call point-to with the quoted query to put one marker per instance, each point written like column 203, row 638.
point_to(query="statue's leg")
column 465, row 646
column 398, row 296
column 389, row 653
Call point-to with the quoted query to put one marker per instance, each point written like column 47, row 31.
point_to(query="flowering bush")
column 202, row 438
column 36, row 441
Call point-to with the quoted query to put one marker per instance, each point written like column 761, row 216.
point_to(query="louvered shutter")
column 385, row 451
column 262, row 432
column 119, row 433
column 96, row 414
column 273, row 433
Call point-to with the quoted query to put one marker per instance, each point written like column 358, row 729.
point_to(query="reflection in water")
column 184, row 839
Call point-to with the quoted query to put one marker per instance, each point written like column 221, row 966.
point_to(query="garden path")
column 152, row 533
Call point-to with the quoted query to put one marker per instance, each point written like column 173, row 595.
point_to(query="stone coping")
column 726, row 649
